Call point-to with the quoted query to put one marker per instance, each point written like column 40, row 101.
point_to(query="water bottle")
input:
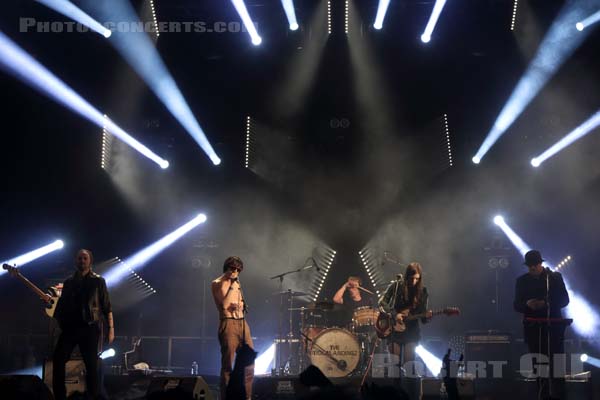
column 194, row 370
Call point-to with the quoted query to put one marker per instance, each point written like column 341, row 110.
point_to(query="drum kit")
column 325, row 339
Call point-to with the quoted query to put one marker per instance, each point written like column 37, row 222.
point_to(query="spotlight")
column 498, row 219
column 476, row 160
column 586, row 127
column 164, row 164
column 290, row 13
column 381, row 11
column 535, row 162
column 433, row 19
column 28, row 70
column 142, row 257
column 108, row 354
column 70, row 10
column 557, row 46
column 33, row 255
column 584, row 357
column 592, row 19
column 140, row 52
column 240, row 7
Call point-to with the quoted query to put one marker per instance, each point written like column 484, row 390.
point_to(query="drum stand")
column 280, row 370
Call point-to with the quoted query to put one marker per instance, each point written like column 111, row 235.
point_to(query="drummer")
column 351, row 297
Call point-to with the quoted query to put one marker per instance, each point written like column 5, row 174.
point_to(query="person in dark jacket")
column 403, row 298
column 82, row 309
column 532, row 299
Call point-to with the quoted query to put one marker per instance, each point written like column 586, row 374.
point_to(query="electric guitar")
column 50, row 299
column 387, row 322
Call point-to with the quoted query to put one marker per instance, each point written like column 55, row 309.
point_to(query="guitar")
column 386, row 323
column 50, row 299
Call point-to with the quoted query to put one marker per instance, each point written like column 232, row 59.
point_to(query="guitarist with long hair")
column 403, row 298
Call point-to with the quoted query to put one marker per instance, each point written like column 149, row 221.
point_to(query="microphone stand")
column 279, row 369
column 548, row 326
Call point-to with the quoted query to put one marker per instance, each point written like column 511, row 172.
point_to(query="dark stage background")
column 383, row 182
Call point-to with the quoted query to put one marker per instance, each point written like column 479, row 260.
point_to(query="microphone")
column 315, row 264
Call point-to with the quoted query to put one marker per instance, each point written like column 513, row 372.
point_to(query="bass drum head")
column 335, row 352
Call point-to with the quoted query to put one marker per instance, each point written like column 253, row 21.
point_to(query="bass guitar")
column 50, row 299
column 387, row 322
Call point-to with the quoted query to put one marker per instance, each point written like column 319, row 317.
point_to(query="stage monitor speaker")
column 178, row 388
column 272, row 388
column 23, row 387
column 74, row 376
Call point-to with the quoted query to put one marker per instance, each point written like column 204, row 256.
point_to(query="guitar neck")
column 31, row 286
column 423, row 315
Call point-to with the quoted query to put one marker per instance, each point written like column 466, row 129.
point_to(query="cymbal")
column 290, row 293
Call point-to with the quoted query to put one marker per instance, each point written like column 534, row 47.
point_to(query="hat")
column 533, row 257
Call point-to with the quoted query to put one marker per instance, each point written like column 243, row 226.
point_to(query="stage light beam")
column 33, row 255
column 70, row 10
column 433, row 19
column 140, row 52
column 241, row 9
column 432, row 363
column 139, row 259
column 592, row 19
column 264, row 360
column 20, row 64
column 381, row 11
column 588, row 126
column 290, row 13
column 557, row 46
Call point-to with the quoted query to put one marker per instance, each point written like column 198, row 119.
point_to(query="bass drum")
column 336, row 352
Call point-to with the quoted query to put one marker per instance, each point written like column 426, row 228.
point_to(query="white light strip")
column 346, row 12
column 322, row 279
column 140, row 280
column 514, row 15
column 154, row 19
column 248, row 123
column 563, row 263
column 329, row 16
column 106, row 146
column 447, row 131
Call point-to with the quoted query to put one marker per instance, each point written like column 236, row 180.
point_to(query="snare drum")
column 336, row 352
column 364, row 318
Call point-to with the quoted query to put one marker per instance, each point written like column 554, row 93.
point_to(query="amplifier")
column 483, row 347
